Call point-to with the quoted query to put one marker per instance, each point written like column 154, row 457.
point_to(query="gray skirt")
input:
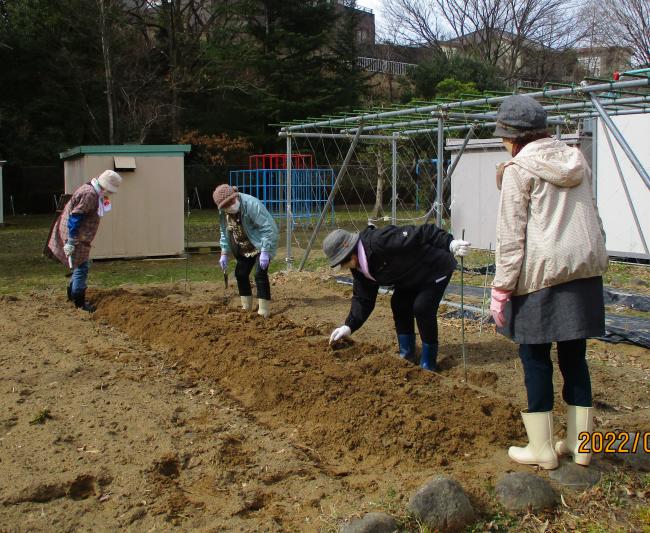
column 572, row 310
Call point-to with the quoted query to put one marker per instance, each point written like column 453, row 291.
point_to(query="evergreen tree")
column 305, row 60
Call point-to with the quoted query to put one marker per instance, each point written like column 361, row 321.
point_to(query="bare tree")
column 380, row 162
column 619, row 23
column 413, row 22
column 498, row 31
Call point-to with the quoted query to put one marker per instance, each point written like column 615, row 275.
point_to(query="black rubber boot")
column 79, row 299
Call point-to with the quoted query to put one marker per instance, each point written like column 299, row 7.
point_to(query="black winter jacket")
column 405, row 257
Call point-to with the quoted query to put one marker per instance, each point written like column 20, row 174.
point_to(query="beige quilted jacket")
column 548, row 228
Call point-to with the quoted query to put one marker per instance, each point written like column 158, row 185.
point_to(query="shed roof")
column 127, row 149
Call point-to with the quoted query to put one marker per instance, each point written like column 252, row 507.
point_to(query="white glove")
column 339, row 333
column 68, row 248
column 459, row 247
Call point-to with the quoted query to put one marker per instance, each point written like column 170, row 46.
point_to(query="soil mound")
column 350, row 405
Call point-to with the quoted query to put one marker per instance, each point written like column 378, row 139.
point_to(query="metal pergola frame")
column 565, row 104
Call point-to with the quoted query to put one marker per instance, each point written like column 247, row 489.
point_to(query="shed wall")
column 622, row 236
column 474, row 195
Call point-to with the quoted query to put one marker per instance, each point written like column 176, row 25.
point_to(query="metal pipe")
column 289, row 210
column 330, row 198
column 337, row 136
column 558, row 132
column 441, row 163
column 492, row 115
column 550, row 121
column 609, row 123
column 610, row 86
column 394, row 184
column 453, row 167
column 627, row 192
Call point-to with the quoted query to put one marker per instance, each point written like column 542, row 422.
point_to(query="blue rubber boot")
column 428, row 357
column 407, row 346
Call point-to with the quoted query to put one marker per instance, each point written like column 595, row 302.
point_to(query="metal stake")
column 394, row 181
column 289, row 259
column 487, row 267
column 187, row 252
column 462, row 310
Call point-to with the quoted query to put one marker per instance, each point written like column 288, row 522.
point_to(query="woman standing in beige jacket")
column 548, row 287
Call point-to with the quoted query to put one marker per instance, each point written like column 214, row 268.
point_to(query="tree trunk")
column 108, row 74
column 379, row 193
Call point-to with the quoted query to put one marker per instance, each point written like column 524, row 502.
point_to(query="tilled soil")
column 175, row 409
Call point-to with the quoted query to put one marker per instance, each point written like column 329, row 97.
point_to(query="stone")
column 638, row 460
column 521, row 491
column 442, row 504
column 576, row 476
column 372, row 523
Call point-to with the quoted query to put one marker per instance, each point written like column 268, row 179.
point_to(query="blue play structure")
column 310, row 188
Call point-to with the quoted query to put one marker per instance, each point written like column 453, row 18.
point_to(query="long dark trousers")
column 243, row 272
column 421, row 304
column 538, row 374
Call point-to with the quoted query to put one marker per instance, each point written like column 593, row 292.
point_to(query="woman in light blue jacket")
column 250, row 233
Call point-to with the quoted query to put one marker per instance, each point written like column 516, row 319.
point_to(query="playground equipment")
column 304, row 195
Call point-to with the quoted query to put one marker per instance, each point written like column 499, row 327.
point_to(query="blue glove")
column 223, row 262
column 265, row 259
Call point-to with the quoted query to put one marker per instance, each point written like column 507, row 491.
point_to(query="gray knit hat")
column 520, row 115
column 338, row 245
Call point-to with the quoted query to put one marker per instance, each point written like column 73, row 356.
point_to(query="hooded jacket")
column 258, row 224
column 548, row 228
column 403, row 257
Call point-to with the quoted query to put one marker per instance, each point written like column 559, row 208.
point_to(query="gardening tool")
column 225, row 278
column 70, row 261
column 487, row 268
column 462, row 310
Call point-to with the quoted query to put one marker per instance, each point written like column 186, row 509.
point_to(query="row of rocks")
column 442, row 504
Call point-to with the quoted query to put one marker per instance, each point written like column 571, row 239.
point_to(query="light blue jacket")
column 258, row 225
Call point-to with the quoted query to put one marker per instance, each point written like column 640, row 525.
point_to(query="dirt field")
column 173, row 409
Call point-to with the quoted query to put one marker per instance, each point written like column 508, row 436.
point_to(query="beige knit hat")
column 223, row 194
column 109, row 180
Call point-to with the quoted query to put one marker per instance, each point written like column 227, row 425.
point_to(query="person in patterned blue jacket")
column 249, row 232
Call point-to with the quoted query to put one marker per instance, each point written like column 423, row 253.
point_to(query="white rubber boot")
column 264, row 308
column 578, row 419
column 539, row 427
column 246, row 303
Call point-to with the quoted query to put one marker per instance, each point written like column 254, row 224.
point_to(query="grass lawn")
column 23, row 267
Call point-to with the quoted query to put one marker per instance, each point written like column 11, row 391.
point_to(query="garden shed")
column 147, row 215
